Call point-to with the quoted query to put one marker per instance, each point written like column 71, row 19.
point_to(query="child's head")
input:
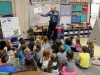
column 70, row 55
column 30, row 63
column 22, row 41
column 37, row 41
column 84, row 49
column 54, row 62
column 38, row 47
column 58, row 42
column 45, row 39
column 62, row 49
column 90, row 44
column 54, row 57
column 32, row 38
column 77, row 40
column 60, row 37
column 27, row 51
column 5, row 58
column 68, row 41
column 23, row 47
column 46, row 54
column 71, row 37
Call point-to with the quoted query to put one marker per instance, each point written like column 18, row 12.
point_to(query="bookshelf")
column 79, row 32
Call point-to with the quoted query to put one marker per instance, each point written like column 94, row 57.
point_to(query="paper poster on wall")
column 65, row 9
column 84, row 9
column 37, row 10
column 10, row 27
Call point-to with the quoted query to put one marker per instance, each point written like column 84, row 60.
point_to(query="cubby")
column 79, row 32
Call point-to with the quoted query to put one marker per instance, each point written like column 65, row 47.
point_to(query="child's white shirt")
column 44, row 63
column 5, row 49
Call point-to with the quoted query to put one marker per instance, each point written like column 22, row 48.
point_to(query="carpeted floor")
column 92, row 70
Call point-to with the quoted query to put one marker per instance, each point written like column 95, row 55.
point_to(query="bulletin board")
column 5, row 7
column 10, row 27
column 79, row 13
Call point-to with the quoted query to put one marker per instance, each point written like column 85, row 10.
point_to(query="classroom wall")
column 20, row 8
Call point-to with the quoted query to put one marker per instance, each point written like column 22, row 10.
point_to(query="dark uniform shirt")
column 54, row 16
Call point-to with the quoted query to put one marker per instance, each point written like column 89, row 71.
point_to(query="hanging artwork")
column 84, row 9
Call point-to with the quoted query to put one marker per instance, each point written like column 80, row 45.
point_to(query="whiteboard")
column 45, row 20
column 45, row 9
column 65, row 20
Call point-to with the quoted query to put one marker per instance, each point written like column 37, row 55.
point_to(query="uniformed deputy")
column 54, row 21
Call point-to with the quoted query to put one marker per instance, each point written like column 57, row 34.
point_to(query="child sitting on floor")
column 77, row 46
column 19, row 42
column 61, row 39
column 39, row 53
column 54, row 65
column 56, row 46
column 31, row 44
column 45, row 60
column 83, row 60
column 9, row 45
column 62, row 55
column 6, row 67
column 67, row 44
column 71, row 40
column 30, row 63
column 21, row 55
column 45, row 42
column 90, row 48
column 69, row 68
column 22, row 41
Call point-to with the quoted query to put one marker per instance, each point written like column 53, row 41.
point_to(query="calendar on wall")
column 65, row 9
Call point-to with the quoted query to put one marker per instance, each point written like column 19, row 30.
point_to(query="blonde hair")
column 61, row 48
column 46, row 54
column 27, row 51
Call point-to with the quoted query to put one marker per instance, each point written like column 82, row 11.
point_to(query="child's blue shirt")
column 67, row 47
column 21, row 56
column 8, row 69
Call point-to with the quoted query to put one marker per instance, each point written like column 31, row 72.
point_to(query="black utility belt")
column 52, row 22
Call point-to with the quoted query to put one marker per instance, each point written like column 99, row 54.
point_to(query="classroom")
column 49, row 37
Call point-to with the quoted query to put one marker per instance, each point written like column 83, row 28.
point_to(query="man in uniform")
column 54, row 21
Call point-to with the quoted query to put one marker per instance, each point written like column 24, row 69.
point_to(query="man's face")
column 53, row 8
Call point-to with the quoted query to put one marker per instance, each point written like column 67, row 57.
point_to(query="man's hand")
column 39, row 14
